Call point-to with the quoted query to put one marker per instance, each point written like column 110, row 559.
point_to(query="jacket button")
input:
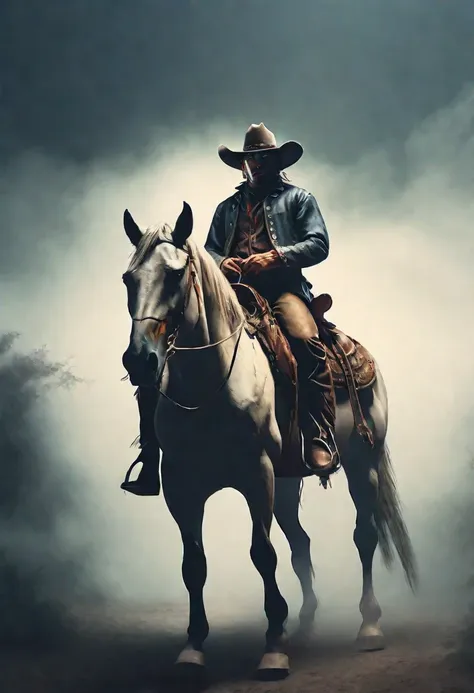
column 269, row 216
column 268, row 207
column 274, row 236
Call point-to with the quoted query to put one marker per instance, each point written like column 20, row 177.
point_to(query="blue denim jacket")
column 295, row 225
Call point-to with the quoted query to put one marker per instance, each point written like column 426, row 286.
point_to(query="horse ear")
column 183, row 226
column 131, row 228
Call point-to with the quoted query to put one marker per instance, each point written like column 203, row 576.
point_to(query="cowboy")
column 264, row 235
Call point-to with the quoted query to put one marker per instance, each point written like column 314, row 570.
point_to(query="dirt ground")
column 118, row 658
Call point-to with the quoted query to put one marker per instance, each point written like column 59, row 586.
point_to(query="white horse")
column 217, row 427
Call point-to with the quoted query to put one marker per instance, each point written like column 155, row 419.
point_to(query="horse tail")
column 391, row 526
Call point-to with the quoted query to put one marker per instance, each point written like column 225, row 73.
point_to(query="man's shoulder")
column 295, row 191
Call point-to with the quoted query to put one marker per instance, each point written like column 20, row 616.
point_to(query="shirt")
column 252, row 238
column 251, row 233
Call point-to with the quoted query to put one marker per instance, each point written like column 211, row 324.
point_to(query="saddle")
column 352, row 367
column 349, row 360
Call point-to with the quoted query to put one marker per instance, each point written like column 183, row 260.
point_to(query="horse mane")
column 215, row 284
column 148, row 242
column 212, row 279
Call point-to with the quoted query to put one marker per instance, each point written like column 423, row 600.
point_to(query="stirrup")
column 323, row 473
column 137, row 487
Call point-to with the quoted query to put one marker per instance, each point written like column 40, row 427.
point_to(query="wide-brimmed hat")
column 261, row 139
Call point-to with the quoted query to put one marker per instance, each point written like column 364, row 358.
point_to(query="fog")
column 44, row 557
column 400, row 275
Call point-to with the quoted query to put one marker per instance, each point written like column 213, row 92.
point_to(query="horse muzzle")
column 142, row 359
column 142, row 368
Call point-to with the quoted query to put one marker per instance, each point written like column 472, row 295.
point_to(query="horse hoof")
column 189, row 666
column 192, row 657
column 274, row 666
column 370, row 639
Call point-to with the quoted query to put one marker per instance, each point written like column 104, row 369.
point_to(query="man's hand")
column 260, row 262
column 231, row 265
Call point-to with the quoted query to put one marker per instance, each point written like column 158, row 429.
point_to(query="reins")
column 193, row 283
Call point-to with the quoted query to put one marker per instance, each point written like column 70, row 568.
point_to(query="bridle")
column 193, row 284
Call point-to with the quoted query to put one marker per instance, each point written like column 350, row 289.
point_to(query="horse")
column 217, row 425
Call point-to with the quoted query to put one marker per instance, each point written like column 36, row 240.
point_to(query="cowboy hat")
column 261, row 139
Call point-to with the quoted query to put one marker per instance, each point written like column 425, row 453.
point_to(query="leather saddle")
column 347, row 357
column 343, row 352
column 352, row 366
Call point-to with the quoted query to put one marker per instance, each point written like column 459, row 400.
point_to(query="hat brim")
column 289, row 153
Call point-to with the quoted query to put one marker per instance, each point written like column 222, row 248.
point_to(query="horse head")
column 156, row 292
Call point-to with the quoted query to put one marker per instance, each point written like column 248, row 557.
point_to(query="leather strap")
column 361, row 424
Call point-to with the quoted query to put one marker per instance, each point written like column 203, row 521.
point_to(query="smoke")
column 400, row 275
column 43, row 561
column 462, row 511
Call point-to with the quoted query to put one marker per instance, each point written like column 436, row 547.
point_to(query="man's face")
column 262, row 165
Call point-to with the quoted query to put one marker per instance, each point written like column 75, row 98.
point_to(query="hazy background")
column 105, row 105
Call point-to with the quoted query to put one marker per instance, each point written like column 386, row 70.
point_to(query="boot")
column 319, row 407
column 148, row 480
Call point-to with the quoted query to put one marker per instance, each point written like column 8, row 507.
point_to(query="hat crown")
column 259, row 137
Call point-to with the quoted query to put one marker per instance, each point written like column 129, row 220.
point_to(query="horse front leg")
column 259, row 494
column 186, row 505
column 362, row 479
column 286, row 511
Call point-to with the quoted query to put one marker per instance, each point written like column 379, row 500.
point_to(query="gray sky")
column 89, row 79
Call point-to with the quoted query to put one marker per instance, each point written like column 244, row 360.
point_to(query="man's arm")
column 313, row 244
column 215, row 242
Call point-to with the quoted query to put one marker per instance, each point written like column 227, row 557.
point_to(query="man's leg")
column 148, row 481
column 315, row 382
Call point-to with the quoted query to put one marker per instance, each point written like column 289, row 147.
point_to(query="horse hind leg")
column 259, row 494
column 362, row 478
column 286, row 511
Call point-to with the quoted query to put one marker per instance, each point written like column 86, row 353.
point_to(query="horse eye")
column 173, row 276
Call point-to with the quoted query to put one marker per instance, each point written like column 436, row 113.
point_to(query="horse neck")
column 205, row 315
column 205, row 323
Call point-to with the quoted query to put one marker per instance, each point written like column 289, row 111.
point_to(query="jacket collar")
column 241, row 187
